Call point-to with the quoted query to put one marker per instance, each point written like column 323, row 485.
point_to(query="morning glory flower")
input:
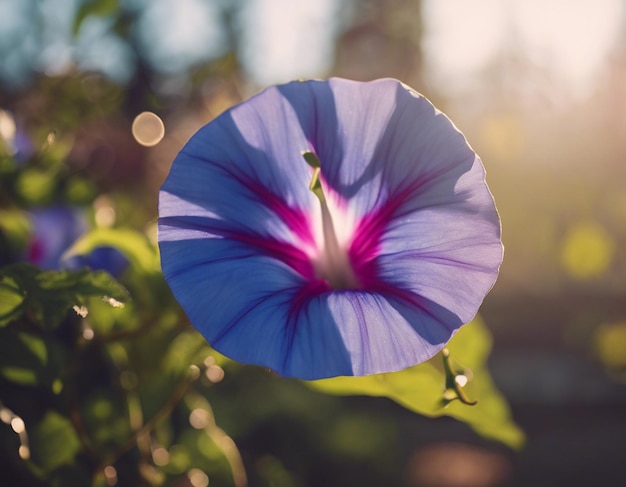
column 104, row 258
column 327, row 228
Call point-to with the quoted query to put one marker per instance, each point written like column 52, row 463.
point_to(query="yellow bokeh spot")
column 24, row 452
column 148, row 129
column 503, row 136
column 160, row 456
column 7, row 127
column 610, row 345
column 200, row 418
column 587, row 251
column 57, row 386
column 198, row 478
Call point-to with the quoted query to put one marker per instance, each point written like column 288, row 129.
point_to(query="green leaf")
column 106, row 420
column 30, row 359
column 79, row 191
column 53, row 442
column 37, row 186
column 421, row 388
column 11, row 301
column 133, row 244
column 15, row 228
column 14, row 280
column 49, row 295
column 84, row 283
column 187, row 348
column 102, row 321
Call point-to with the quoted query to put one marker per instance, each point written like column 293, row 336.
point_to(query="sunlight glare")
column 461, row 380
column 572, row 37
column 463, row 36
column 568, row 39
column 286, row 40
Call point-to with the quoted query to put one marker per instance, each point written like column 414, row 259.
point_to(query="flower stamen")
column 333, row 264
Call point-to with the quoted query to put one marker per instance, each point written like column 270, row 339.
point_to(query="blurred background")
column 114, row 88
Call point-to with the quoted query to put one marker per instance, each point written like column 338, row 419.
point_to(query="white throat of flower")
column 333, row 263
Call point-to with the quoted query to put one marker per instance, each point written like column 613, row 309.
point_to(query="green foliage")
column 43, row 180
column 54, row 442
column 47, row 296
column 95, row 397
column 11, row 301
column 426, row 389
column 24, row 357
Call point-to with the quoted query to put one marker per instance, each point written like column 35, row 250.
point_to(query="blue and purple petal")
column 54, row 230
column 244, row 249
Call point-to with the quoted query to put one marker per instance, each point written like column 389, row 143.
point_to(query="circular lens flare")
column 148, row 129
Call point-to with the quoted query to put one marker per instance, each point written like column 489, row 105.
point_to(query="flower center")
column 333, row 262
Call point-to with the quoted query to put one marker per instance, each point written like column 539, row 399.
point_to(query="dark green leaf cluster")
column 102, row 380
column 45, row 297
column 95, row 386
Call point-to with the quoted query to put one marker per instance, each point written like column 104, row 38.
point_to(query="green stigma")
column 316, row 184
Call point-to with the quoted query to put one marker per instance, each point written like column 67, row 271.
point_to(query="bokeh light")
column 587, row 251
column 197, row 478
column 200, row 418
column 110, row 474
column 457, row 465
column 610, row 347
column 7, row 127
column 148, row 129
column 18, row 425
column 160, row 456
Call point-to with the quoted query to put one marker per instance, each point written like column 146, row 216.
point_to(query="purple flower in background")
column 103, row 258
column 54, row 230
column 328, row 228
